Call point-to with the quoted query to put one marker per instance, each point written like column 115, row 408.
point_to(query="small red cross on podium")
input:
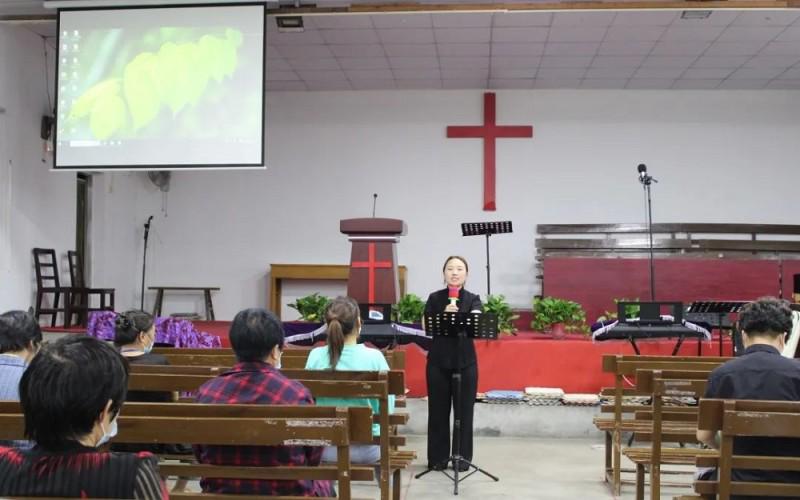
column 489, row 132
column 371, row 264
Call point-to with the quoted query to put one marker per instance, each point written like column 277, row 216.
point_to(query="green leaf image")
column 172, row 69
column 85, row 103
column 140, row 90
column 178, row 75
column 108, row 116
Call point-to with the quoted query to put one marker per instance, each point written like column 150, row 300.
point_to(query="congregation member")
column 343, row 352
column 135, row 336
column 447, row 356
column 761, row 373
column 71, row 395
column 20, row 339
column 257, row 338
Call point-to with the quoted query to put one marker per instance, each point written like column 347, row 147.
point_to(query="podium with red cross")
column 373, row 259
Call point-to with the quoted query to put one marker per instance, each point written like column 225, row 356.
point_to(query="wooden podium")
column 373, row 259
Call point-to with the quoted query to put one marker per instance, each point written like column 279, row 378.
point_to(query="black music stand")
column 486, row 229
column 720, row 310
column 460, row 325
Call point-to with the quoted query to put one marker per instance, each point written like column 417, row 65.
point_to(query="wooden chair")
column 48, row 283
column 623, row 366
column 81, row 298
column 321, row 383
column 738, row 418
column 666, row 424
column 222, row 424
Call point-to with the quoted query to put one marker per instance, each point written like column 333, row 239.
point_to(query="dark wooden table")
column 206, row 295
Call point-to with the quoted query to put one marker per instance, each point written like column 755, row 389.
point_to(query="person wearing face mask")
column 71, row 395
column 446, row 358
column 257, row 339
column 343, row 352
column 135, row 336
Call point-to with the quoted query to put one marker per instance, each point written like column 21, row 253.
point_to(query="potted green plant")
column 409, row 309
column 558, row 316
column 311, row 307
column 497, row 305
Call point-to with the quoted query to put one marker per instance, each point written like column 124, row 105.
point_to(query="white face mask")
column 112, row 431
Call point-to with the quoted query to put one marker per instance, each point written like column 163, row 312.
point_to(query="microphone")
column 147, row 226
column 642, row 169
column 452, row 295
column 374, row 202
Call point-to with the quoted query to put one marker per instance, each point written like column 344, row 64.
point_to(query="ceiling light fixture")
column 289, row 24
column 695, row 14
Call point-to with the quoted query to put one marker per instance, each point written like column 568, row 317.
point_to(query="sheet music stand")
column 721, row 309
column 486, row 229
column 460, row 325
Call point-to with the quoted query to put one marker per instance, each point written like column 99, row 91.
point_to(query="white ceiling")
column 645, row 49
column 599, row 49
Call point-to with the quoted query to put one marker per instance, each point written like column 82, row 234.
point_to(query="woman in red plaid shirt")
column 257, row 339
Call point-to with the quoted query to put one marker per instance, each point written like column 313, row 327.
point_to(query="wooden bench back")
column 291, row 357
column 777, row 419
column 610, row 361
column 261, row 425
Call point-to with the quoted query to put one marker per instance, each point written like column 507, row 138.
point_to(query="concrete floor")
column 528, row 468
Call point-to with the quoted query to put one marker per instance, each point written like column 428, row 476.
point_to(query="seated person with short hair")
column 761, row 373
column 257, row 338
column 71, row 395
column 20, row 338
column 135, row 336
column 343, row 352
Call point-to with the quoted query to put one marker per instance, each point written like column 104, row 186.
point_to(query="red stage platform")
column 527, row 360
column 530, row 359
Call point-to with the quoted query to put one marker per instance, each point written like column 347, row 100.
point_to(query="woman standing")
column 446, row 358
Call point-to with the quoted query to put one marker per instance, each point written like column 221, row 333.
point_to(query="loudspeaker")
column 46, row 130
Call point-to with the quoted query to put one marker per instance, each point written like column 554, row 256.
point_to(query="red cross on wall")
column 371, row 264
column 489, row 132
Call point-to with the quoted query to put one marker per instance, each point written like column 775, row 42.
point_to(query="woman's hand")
column 451, row 308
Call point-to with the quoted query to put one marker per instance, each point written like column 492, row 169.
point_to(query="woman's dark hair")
column 66, row 387
column 766, row 316
column 341, row 317
column 462, row 259
column 254, row 334
column 18, row 330
column 128, row 326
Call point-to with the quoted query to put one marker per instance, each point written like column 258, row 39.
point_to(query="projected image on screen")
column 146, row 88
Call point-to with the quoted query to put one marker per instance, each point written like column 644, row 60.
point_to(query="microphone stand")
column 144, row 258
column 646, row 181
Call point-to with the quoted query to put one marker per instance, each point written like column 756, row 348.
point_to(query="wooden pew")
column 665, row 424
column 738, row 418
column 290, row 358
column 321, row 383
column 623, row 366
column 261, row 425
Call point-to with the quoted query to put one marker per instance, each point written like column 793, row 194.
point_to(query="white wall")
column 720, row 156
column 37, row 207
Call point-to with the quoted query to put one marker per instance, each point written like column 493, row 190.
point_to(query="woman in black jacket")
column 446, row 357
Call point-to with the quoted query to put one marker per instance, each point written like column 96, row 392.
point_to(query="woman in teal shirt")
column 343, row 352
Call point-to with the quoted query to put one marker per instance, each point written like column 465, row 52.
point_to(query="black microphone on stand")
column 144, row 258
column 646, row 181
column 374, row 201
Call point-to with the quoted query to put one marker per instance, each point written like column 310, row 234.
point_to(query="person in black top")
column 135, row 336
column 446, row 358
column 71, row 395
column 761, row 373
